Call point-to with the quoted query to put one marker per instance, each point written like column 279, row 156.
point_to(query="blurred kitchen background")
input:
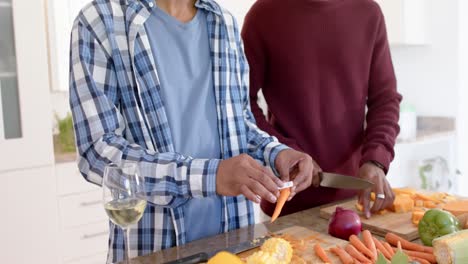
column 50, row 211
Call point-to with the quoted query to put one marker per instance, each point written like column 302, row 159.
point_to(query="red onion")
column 344, row 223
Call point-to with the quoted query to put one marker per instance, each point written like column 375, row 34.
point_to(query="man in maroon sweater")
column 319, row 64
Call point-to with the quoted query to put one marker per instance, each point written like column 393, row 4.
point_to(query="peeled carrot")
column 405, row 244
column 418, row 254
column 428, row 249
column 321, row 253
column 420, row 260
column 370, row 244
column 389, row 248
column 360, row 246
column 284, row 194
column 356, row 254
column 380, row 247
column 343, row 255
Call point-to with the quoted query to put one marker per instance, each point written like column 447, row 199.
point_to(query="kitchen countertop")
column 309, row 219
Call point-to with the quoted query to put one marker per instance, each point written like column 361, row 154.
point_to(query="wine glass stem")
column 126, row 246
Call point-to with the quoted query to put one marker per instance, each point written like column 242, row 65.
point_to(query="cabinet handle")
column 88, row 236
column 86, row 204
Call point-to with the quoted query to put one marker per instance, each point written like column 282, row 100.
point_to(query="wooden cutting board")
column 310, row 238
column 380, row 225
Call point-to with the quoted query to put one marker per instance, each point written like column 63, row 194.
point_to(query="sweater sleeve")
column 383, row 102
column 258, row 61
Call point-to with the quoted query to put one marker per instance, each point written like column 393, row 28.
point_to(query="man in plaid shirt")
column 123, row 107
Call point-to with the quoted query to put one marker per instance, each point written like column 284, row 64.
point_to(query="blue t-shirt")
column 182, row 56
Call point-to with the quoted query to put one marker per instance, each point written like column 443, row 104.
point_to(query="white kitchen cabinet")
column 26, row 137
column 29, row 217
column 405, row 20
column 83, row 223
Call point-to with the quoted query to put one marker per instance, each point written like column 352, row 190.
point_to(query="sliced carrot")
column 356, row 242
column 370, row 244
column 418, row 254
column 284, row 194
column 321, row 253
column 343, row 255
column 405, row 244
column 380, row 247
column 356, row 254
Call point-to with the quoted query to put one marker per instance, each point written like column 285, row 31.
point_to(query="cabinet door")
column 26, row 130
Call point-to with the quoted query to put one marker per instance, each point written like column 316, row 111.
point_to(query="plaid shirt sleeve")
column 99, row 126
column 261, row 145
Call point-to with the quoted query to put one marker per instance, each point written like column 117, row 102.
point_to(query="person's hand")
column 384, row 195
column 298, row 167
column 243, row 175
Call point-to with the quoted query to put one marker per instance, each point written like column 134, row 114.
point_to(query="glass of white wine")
column 124, row 197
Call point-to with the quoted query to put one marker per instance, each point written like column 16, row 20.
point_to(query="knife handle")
column 193, row 259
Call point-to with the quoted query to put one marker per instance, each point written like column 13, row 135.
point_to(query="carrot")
column 370, row 244
column 389, row 248
column 421, row 261
column 417, row 254
column 284, row 194
column 393, row 240
column 380, row 247
column 360, row 246
column 344, row 257
column 428, row 249
column 356, row 254
column 321, row 253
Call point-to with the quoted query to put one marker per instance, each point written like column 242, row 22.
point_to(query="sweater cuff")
column 378, row 154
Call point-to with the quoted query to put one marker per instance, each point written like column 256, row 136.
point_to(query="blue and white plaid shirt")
column 119, row 115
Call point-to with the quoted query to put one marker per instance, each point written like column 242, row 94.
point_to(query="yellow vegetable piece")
column 225, row 257
column 403, row 204
column 452, row 249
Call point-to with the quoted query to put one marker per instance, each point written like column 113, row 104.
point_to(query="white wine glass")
column 124, row 197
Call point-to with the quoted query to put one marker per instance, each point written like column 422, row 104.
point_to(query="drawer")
column 70, row 180
column 80, row 209
column 85, row 241
column 95, row 259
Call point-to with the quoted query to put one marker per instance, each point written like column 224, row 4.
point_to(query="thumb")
column 283, row 171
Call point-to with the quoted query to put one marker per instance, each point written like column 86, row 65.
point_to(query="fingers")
column 378, row 189
column 364, row 198
column 249, row 194
column 389, row 195
column 303, row 178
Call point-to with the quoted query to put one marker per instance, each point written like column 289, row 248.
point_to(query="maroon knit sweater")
column 319, row 64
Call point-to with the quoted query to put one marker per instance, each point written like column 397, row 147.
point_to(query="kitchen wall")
column 428, row 75
column 462, row 120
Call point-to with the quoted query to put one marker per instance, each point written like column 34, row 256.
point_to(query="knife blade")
column 339, row 181
column 236, row 249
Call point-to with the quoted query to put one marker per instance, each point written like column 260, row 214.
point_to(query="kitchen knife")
column 339, row 181
column 236, row 249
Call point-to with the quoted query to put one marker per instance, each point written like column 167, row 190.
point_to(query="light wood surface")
column 309, row 238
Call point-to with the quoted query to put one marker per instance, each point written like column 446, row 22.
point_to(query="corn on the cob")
column 279, row 249
column 274, row 251
column 452, row 248
column 262, row 257
column 225, row 257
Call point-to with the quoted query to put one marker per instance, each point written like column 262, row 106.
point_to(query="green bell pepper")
column 436, row 223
